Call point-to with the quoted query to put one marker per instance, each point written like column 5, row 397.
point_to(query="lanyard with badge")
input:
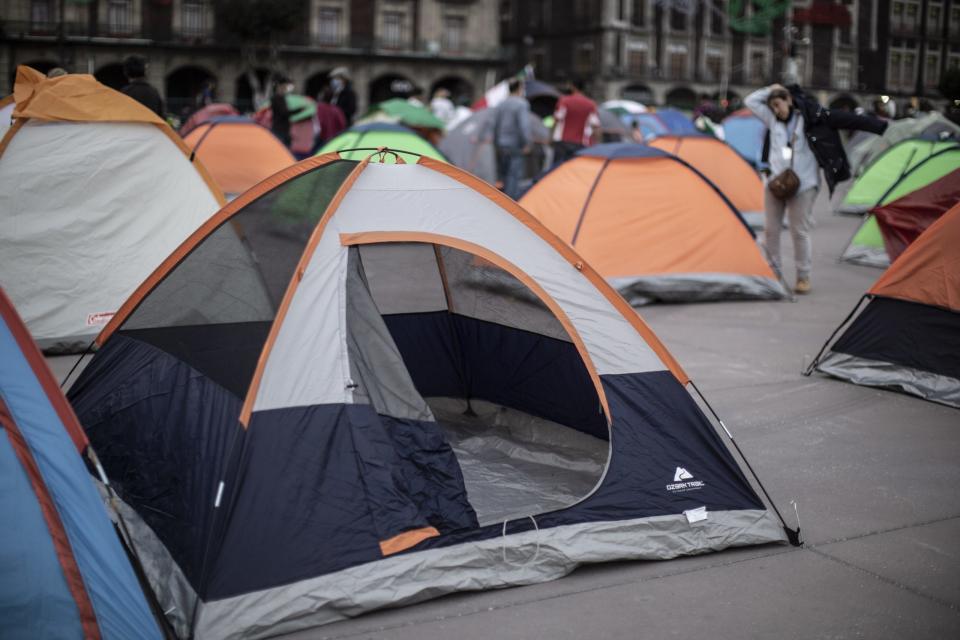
column 787, row 151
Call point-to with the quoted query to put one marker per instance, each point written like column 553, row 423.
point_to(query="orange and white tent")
column 237, row 152
column 724, row 167
column 653, row 225
column 95, row 190
column 907, row 336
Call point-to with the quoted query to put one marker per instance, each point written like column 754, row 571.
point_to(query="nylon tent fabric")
column 374, row 135
column 469, row 145
column 676, row 121
column 206, row 114
column 237, row 152
column 866, row 247
column 648, row 123
column 623, row 107
column 931, row 126
column 744, row 132
column 904, row 219
column 724, row 168
column 907, row 336
column 89, row 207
column 889, row 168
column 63, row 571
column 653, row 226
column 405, row 113
column 390, row 376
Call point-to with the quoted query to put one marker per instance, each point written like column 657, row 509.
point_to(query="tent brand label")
column 99, row 319
column 683, row 481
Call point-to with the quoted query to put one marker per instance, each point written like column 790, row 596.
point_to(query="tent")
column 745, row 132
column 407, row 387
column 907, row 335
column 721, row 164
column 469, row 145
column 930, row 126
column 890, row 227
column 676, row 121
column 63, row 571
column 653, row 225
column 374, row 135
column 406, row 113
column 206, row 114
column 623, row 107
column 237, row 152
column 612, row 128
column 649, row 124
column 7, row 105
column 95, row 190
column 905, row 166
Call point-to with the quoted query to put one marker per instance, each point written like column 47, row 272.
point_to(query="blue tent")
column 63, row 572
column 676, row 121
column 744, row 132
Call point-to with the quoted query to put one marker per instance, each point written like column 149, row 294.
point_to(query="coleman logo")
column 682, row 474
column 683, row 481
column 98, row 319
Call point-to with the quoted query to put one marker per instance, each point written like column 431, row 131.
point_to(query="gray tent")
column 469, row 145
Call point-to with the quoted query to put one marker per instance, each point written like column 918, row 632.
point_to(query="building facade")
column 391, row 47
column 677, row 51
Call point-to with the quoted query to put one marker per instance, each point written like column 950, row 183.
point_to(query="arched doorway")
column 188, row 88
column 461, row 90
column 111, row 75
column 844, row 102
column 681, row 97
column 391, row 85
column 639, row 93
column 316, row 84
column 243, row 100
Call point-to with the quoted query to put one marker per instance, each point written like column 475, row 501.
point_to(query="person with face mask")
column 342, row 94
column 803, row 139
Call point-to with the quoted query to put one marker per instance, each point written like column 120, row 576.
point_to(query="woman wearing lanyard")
column 803, row 139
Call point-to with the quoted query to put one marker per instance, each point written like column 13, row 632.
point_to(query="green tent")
column 892, row 165
column 405, row 113
column 374, row 135
column 867, row 247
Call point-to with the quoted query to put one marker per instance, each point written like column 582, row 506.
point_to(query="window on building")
column 328, row 25
column 120, row 16
column 393, row 29
column 953, row 62
column 639, row 14
column 583, row 63
column 842, row 73
column 934, row 11
column 678, row 20
column 621, row 9
column 716, row 17
column 677, row 65
column 193, row 15
column 41, row 15
column 714, row 67
column 954, row 21
column 931, row 72
column 454, row 29
column 758, row 66
column 637, row 61
column 893, row 69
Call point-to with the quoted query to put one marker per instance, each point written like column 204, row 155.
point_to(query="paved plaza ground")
column 876, row 475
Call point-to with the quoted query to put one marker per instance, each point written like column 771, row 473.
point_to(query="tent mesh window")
column 497, row 371
column 214, row 309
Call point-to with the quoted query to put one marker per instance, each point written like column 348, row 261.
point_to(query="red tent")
column 902, row 220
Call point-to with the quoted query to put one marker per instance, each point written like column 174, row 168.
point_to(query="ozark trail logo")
column 683, row 480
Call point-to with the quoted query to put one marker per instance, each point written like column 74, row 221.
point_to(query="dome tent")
column 653, row 225
column 237, row 152
column 411, row 332
column 373, row 135
column 907, row 335
column 63, row 571
column 95, row 190
column 724, row 168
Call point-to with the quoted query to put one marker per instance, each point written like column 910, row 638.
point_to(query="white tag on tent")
column 696, row 515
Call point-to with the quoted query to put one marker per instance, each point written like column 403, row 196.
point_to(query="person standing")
column 280, row 112
column 803, row 139
column 135, row 69
column 511, row 137
column 342, row 94
column 576, row 123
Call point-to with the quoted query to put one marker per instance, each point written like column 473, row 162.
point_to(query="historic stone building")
column 390, row 46
column 674, row 51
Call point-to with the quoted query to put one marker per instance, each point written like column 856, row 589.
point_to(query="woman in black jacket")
column 803, row 138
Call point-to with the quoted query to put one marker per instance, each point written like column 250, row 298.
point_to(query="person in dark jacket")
column 342, row 94
column 135, row 69
column 802, row 136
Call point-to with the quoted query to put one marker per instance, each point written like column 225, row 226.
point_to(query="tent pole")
column 833, row 335
column 793, row 535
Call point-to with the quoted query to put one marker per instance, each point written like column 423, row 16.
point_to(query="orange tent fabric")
column 637, row 213
column 238, row 152
column 928, row 272
column 721, row 164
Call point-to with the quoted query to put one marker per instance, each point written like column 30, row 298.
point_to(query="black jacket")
column 145, row 94
column 820, row 126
